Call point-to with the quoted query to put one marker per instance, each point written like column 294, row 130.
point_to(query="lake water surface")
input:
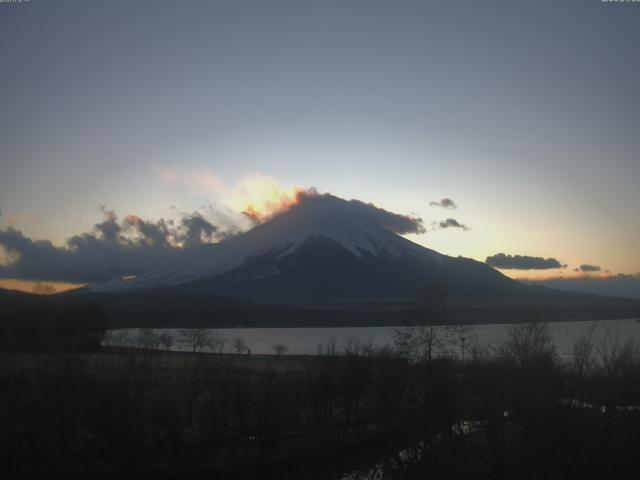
column 308, row 340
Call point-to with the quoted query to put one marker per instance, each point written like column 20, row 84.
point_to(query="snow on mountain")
column 360, row 228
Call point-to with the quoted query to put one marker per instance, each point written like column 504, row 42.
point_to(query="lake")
column 306, row 341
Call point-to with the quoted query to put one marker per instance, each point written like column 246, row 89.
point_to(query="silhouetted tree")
column 429, row 330
column 279, row 349
column 148, row 339
column 166, row 340
column 239, row 345
column 195, row 338
column 217, row 342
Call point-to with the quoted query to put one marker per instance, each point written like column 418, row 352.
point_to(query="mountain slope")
column 322, row 271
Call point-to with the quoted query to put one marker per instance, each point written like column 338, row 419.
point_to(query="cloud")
column 450, row 223
column 522, row 262
column 589, row 268
column 113, row 248
column 394, row 222
column 261, row 197
column 153, row 234
column 196, row 231
column 444, row 203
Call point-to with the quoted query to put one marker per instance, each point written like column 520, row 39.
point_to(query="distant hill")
column 30, row 322
column 627, row 286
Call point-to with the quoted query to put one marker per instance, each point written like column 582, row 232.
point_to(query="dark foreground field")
column 139, row 414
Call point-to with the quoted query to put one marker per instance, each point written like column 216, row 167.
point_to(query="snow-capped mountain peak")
column 360, row 228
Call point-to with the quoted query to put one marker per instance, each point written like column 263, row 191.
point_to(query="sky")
column 525, row 114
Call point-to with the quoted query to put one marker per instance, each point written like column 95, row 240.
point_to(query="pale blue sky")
column 527, row 114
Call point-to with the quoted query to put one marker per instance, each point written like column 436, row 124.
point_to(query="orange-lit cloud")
column 258, row 196
column 261, row 197
column 133, row 219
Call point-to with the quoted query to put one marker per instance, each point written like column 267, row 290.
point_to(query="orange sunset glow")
column 260, row 197
column 43, row 288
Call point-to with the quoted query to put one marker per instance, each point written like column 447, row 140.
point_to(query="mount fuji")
column 323, row 250
column 328, row 261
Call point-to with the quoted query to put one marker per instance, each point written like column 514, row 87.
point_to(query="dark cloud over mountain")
column 522, row 262
column 113, row 248
column 450, row 223
column 444, row 203
column 395, row 222
column 589, row 268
